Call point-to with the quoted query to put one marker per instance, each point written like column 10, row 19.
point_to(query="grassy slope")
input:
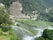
column 8, row 35
column 4, row 38
column 30, row 25
column 36, row 23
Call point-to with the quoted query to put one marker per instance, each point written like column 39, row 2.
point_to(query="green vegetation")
column 36, row 23
column 47, row 35
column 4, row 18
column 8, row 35
column 47, row 16
column 28, row 26
column 32, row 5
column 40, row 5
column 7, row 3
column 5, row 22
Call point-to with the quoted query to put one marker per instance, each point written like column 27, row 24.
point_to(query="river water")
column 25, row 34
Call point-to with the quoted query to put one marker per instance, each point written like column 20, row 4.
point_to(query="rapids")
column 25, row 34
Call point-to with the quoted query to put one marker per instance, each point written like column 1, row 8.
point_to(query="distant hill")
column 31, row 5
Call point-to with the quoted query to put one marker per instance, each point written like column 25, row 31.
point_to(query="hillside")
column 41, row 7
column 26, row 19
column 30, row 8
column 31, row 5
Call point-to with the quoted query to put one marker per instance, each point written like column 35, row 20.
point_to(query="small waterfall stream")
column 39, row 33
column 25, row 33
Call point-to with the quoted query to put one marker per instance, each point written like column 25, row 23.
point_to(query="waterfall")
column 27, row 37
column 25, row 34
column 51, row 28
column 39, row 33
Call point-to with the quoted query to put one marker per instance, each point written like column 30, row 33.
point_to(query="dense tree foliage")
column 31, row 5
column 7, row 3
column 4, row 18
column 5, row 31
column 40, row 5
column 47, row 35
column 28, row 7
column 47, row 16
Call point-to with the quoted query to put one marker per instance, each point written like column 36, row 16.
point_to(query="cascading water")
column 39, row 33
column 51, row 28
column 25, row 34
column 27, row 37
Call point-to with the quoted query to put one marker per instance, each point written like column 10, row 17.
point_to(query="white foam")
column 51, row 28
column 27, row 38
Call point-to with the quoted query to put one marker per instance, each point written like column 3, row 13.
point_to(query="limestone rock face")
column 15, row 10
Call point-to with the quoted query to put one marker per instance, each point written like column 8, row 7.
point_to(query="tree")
column 48, row 34
column 40, row 38
column 7, row 3
column 4, row 18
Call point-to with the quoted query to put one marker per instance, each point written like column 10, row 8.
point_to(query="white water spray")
column 28, row 37
column 40, row 31
column 51, row 28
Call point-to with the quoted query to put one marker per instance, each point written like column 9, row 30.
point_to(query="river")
column 24, row 34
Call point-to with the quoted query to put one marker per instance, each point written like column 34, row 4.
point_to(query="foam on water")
column 39, row 33
column 27, row 38
column 51, row 28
